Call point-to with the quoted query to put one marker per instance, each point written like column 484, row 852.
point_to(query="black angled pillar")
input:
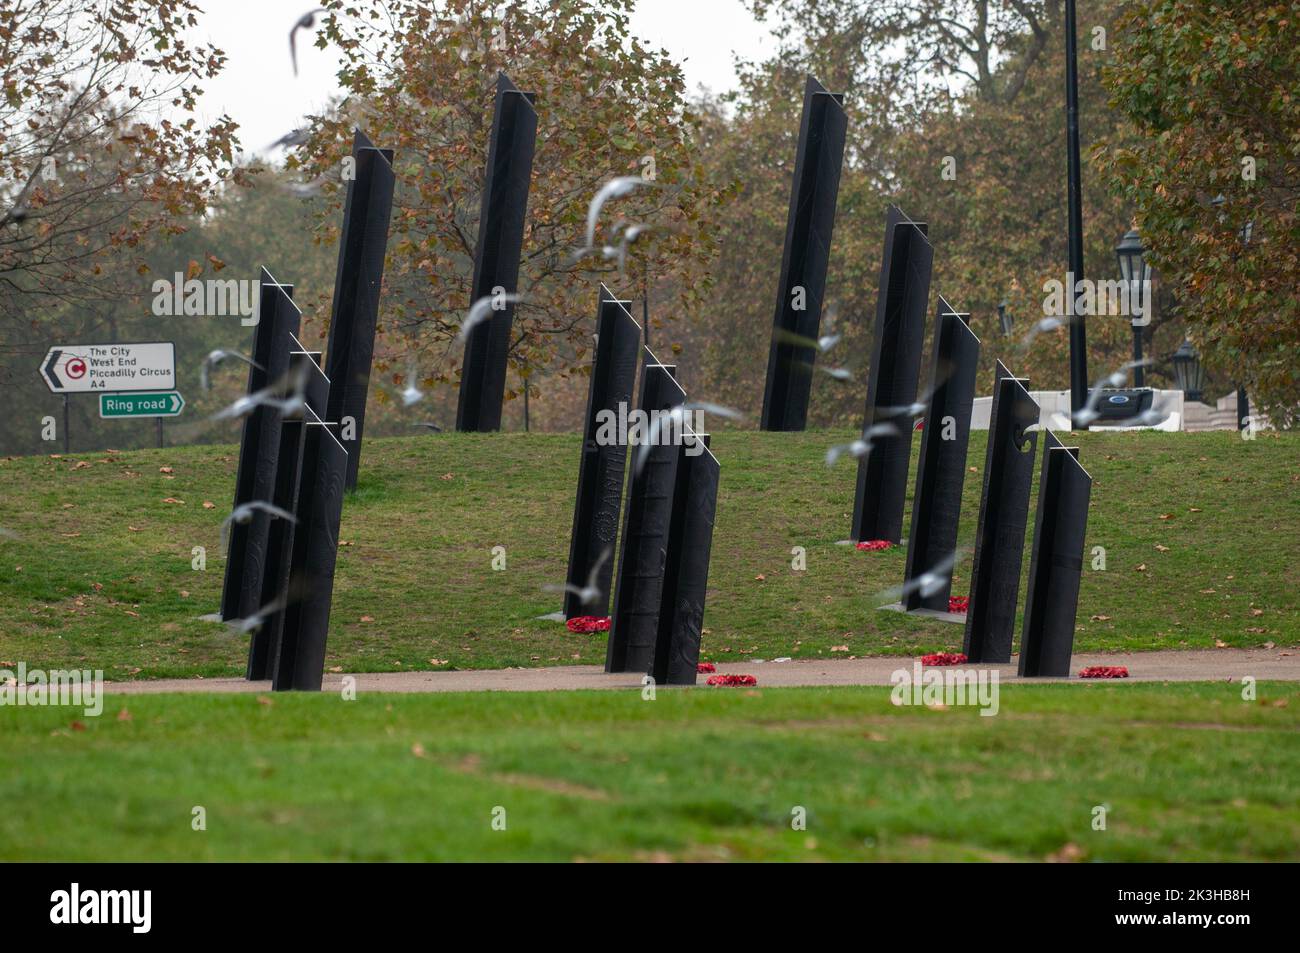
column 941, row 470
column 496, row 256
column 802, row 286
column 1004, row 511
column 1055, row 563
column 298, row 661
column 264, row 644
column 357, row 284
column 643, row 547
column 278, row 320
column 604, row 461
column 901, row 306
column 686, row 569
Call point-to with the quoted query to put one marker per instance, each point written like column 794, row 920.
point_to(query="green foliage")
column 1213, row 89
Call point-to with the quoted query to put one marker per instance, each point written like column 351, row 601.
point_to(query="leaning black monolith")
column 357, row 284
column 264, row 643
column 604, row 460
column 643, row 547
column 901, row 306
column 299, row 658
column 941, row 470
column 802, row 284
column 1004, row 511
column 1055, row 562
column 496, row 256
column 278, row 320
column 686, row 568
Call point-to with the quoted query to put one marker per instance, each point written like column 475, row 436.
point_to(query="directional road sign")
column 161, row 404
column 95, row 368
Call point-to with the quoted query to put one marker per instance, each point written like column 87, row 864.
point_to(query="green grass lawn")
column 1201, row 536
column 1186, row 772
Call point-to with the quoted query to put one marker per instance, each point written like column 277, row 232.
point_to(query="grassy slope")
column 1187, row 772
column 430, row 509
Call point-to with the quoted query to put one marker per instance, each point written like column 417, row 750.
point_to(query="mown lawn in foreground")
column 1186, row 771
column 1201, row 534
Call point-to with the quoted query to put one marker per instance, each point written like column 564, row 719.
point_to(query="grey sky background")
column 259, row 91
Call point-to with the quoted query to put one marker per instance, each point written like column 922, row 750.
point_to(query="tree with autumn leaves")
column 1213, row 92
column 956, row 114
column 101, row 148
column 420, row 79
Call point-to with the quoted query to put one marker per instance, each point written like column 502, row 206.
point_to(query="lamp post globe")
column 1136, row 272
column 1188, row 371
column 1004, row 318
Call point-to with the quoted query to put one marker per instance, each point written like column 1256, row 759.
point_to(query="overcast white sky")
column 259, row 91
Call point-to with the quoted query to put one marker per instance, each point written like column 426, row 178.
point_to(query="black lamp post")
column 1074, row 217
column 1136, row 271
column 1004, row 319
column 1188, row 371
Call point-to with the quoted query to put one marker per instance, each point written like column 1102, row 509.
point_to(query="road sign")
column 162, row 404
column 96, row 368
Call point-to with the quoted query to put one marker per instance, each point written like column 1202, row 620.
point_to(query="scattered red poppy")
column 874, row 545
column 739, row 680
column 589, row 623
column 1104, row 671
column 705, row 668
column 958, row 603
column 944, row 658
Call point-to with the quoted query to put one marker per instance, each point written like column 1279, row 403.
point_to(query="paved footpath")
column 1189, row 666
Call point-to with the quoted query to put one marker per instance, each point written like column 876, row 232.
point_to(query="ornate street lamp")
column 1136, row 271
column 1188, row 371
column 1004, row 319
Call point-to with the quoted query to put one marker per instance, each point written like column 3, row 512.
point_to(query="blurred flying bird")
column 615, row 188
column 863, row 446
column 823, row 344
column 678, row 417
column 294, row 138
column 481, row 310
column 928, row 583
column 410, row 393
column 589, row 593
column 1042, row 327
column 285, row 395
column 214, row 358
column 243, row 515
column 305, row 22
column 252, row 624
